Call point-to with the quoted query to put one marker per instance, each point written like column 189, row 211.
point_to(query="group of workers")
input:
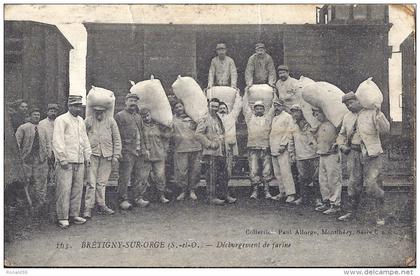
column 71, row 151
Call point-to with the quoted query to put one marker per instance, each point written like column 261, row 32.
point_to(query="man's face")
column 75, row 109
column 99, row 115
column 279, row 107
column 179, row 109
column 23, row 108
column 147, row 117
column 223, row 109
column 35, row 117
column 221, row 52
column 283, row 74
column 131, row 103
column 319, row 115
column 353, row 105
column 52, row 114
column 296, row 114
column 259, row 110
column 260, row 51
column 213, row 107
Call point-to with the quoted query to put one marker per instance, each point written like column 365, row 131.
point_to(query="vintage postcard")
column 209, row 135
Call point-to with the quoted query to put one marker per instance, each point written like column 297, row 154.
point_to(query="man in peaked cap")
column 105, row 142
column 303, row 152
column 286, row 86
column 133, row 151
column 359, row 139
column 72, row 152
column 280, row 139
column 34, row 147
column 260, row 68
column 222, row 70
column 259, row 126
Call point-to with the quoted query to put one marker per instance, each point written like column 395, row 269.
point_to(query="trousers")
column 69, row 190
column 131, row 163
column 308, row 170
column 158, row 169
column 283, row 173
column 36, row 171
column 99, row 172
column 330, row 183
column 187, row 169
column 259, row 160
column 217, row 176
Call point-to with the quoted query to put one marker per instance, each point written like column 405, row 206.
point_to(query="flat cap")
column 132, row 95
column 75, row 99
column 283, row 68
column 296, row 107
column 34, row 109
column 259, row 45
column 220, row 46
column 348, row 96
column 52, row 106
column 259, row 103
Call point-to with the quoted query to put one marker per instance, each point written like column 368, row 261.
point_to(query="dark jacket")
column 128, row 125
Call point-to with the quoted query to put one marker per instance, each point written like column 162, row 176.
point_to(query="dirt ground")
column 190, row 234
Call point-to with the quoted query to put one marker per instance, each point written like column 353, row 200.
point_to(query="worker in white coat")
column 72, row 152
column 280, row 138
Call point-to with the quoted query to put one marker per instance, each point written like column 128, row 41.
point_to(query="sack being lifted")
column 306, row 107
column 189, row 92
column 226, row 94
column 328, row 98
column 369, row 94
column 153, row 97
column 100, row 96
column 261, row 92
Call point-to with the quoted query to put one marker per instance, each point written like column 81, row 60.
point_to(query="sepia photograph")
column 209, row 136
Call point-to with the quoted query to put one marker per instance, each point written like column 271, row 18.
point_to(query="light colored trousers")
column 364, row 170
column 158, row 169
column 283, row 173
column 255, row 157
column 99, row 172
column 69, row 190
column 330, row 183
column 37, row 171
column 187, row 169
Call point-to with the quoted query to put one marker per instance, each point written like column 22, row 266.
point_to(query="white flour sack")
column 369, row 94
column 189, row 92
column 226, row 94
column 100, row 96
column 306, row 107
column 261, row 92
column 152, row 96
column 328, row 98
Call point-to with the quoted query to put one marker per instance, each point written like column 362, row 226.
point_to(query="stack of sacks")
column 306, row 107
column 226, row 94
column 261, row 92
column 102, row 97
column 189, row 92
column 328, row 98
column 369, row 95
column 152, row 96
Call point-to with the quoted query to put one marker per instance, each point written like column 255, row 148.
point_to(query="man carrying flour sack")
column 210, row 132
column 72, row 152
column 260, row 68
column 105, row 142
column 222, row 70
column 155, row 135
column 187, row 155
column 259, row 127
column 359, row 138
